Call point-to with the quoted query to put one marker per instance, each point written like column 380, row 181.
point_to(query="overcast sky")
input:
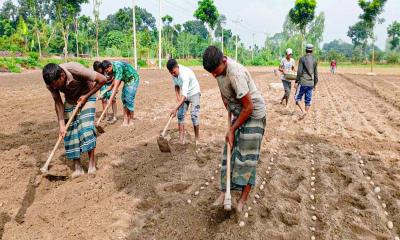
column 262, row 16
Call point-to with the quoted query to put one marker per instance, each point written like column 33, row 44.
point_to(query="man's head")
column 289, row 53
column 309, row 48
column 173, row 67
column 98, row 67
column 107, row 67
column 214, row 61
column 54, row 76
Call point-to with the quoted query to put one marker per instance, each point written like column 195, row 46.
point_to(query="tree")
column 316, row 30
column 394, row 35
column 196, row 27
column 339, row 47
column 207, row 13
column 302, row 14
column 371, row 10
column 96, row 13
column 9, row 11
column 65, row 12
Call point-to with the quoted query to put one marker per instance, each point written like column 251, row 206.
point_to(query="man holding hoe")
column 105, row 92
column 124, row 72
column 246, row 104
column 187, row 90
column 79, row 86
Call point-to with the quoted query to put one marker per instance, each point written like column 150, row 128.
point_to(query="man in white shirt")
column 187, row 90
column 287, row 65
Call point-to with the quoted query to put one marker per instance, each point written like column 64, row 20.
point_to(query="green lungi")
column 80, row 136
column 245, row 154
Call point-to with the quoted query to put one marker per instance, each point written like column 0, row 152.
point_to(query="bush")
column 34, row 55
column 393, row 58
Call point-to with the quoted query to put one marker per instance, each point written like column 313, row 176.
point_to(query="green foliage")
column 393, row 58
column 339, row 48
column 207, row 13
column 394, row 35
column 359, row 33
column 303, row 13
column 371, row 10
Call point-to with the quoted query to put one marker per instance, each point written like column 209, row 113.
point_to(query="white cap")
column 289, row 51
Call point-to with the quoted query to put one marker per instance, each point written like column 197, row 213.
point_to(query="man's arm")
column 99, row 80
column 315, row 74
column 299, row 71
column 177, row 93
column 247, row 110
column 59, row 108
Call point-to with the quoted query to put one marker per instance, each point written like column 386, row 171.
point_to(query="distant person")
column 246, row 105
column 307, row 79
column 287, row 65
column 333, row 66
column 124, row 72
column 79, row 85
column 187, row 91
column 105, row 92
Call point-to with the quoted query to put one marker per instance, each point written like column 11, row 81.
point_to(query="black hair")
column 309, row 50
column 97, row 65
column 106, row 64
column 212, row 58
column 171, row 64
column 51, row 72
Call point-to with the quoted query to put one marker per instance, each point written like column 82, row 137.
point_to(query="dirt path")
column 315, row 174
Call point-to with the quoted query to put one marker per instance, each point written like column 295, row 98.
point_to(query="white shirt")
column 187, row 82
column 287, row 65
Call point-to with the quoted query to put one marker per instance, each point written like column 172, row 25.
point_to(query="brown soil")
column 351, row 136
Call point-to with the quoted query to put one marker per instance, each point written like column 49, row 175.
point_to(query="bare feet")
column 219, row 201
column 77, row 173
column 240, row 206
column 92, row 170
column 125, row 124
column 112, row 121
column 131, row 123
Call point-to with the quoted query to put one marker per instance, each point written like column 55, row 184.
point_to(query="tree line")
column 57, row 27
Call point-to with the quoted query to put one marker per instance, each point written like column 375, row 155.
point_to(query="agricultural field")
column 334, row 175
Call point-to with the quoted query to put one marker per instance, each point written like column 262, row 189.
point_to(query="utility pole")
column 134, row 34
column 237, row 21
column 159, row 36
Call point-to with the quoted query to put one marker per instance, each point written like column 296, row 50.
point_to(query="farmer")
column 242, row 100
column 187, row 91
column 79, row 86
column 333, row 66
column 307, row 79
column 124, row 72
column 105, row 92
column 286, row 66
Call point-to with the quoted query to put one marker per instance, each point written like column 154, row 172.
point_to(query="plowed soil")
column 326, row 166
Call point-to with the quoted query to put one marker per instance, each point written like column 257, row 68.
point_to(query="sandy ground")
column 318, row 174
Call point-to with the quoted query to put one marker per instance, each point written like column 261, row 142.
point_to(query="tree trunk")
column 38, row 40
column 76, row 36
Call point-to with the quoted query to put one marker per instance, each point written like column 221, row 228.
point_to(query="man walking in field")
column 187, row 91
column 124, row 72
column 79, row 86
column 286, row 66
column 246, row 104
column 307, row 79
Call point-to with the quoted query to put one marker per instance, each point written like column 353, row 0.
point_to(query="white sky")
column 262, row 16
